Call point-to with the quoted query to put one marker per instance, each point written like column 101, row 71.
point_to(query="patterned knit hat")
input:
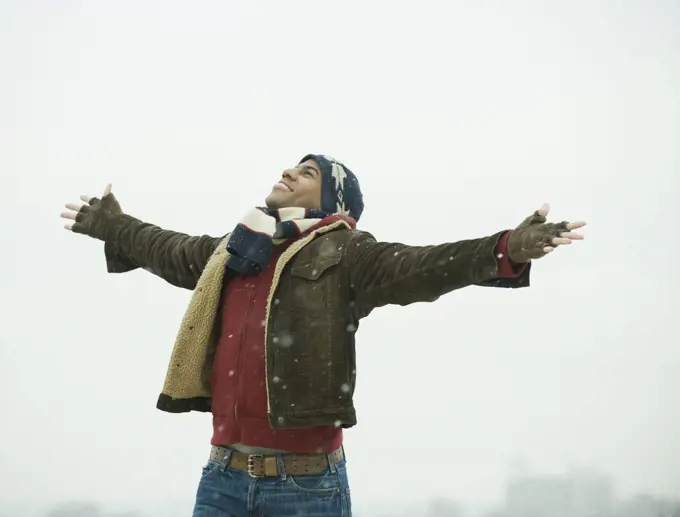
column 340, row 191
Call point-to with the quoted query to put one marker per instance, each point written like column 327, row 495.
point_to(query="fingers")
column 547, row 249
column 74, row 206
column 77, row 212
column 533, row 219
column 74, row 227
column 537, row 218
column 78, row 228
column 563, row 239
column 560, row 241
column 576, row 225
column 572, row 236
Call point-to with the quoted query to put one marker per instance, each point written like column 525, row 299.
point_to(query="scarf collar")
column 250, row 244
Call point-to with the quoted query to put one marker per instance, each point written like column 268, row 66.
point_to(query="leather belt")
column 265, row 465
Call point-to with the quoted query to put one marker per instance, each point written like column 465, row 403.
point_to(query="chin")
column 271, row 202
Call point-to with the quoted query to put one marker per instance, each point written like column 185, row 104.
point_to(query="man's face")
column 299, row 187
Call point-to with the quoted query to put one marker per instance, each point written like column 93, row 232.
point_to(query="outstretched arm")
column 383, row 273
column 130, row 243
column 176, row 257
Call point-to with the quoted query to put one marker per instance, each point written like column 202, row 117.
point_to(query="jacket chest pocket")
column 313, row 281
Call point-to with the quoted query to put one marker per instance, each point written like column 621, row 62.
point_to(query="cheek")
column 311, row 193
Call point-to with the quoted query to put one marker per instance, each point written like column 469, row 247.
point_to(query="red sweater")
column 239, row 401
column 239, row 395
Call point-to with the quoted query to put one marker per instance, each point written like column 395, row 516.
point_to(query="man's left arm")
column 383, row 273
column 387, row 273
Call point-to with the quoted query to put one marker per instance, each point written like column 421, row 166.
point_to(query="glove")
column 99, row 218
column 535, row 238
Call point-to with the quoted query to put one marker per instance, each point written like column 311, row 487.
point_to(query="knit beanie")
column 340, row 191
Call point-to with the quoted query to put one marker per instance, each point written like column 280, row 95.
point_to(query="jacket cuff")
column 115, row 261
column 506, row 268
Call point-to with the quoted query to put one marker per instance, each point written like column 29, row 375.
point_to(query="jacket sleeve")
column 175, row 257
column 508, row 274
column 383, row 273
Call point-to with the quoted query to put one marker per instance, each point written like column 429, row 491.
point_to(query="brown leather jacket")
column 324, row 284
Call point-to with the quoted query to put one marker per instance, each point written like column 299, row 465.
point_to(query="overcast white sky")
column 459, row 118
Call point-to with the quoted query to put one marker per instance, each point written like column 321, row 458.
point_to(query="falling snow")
column 286, row 340
column 327, row 248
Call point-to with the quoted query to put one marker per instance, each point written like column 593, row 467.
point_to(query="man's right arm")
column 130, row 243
column 176, row 257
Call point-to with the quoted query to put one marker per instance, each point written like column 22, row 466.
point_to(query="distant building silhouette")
column 75, row 509
column 579, row 493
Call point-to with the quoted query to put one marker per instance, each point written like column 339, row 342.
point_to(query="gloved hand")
column 96, row 217
column 535, row 238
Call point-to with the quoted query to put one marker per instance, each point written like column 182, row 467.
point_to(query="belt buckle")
column 251, row 464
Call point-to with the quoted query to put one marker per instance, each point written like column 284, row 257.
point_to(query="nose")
column 290, row 174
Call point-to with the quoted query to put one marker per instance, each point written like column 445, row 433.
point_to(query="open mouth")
column 281, row 184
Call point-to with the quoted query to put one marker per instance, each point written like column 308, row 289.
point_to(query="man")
column 267, row 342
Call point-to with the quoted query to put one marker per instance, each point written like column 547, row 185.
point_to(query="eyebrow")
column 311, row 167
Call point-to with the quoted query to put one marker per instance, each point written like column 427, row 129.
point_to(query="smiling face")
column 299, row 187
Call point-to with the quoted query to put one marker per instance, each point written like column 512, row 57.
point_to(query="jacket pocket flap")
column 313, row 269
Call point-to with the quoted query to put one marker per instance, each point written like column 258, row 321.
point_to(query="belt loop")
column 280, row 465
column 331, row 461
column 225, row 460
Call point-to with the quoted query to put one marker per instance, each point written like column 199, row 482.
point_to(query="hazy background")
column 459, row 118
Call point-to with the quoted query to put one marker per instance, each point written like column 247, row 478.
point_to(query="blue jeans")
column 228, row 492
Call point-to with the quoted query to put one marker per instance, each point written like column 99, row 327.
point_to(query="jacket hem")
column 170, row 405
column 313, row 418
